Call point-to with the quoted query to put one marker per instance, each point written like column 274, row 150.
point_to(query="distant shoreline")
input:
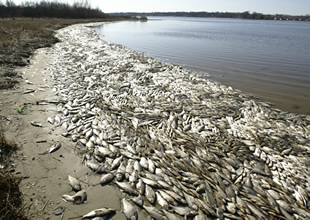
column 203, row 14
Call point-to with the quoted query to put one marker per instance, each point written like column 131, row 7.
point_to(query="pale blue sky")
column 293, row 7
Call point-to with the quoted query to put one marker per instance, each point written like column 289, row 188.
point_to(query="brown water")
column 269, row 59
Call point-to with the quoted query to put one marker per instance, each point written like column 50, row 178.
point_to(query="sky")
column 291, row 7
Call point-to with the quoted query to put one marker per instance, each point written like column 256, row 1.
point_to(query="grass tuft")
column 11, row 199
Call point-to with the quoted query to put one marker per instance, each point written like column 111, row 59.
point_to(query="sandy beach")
column 125, row 96
column 45, row 177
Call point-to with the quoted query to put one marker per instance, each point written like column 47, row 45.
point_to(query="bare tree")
column 10, row 3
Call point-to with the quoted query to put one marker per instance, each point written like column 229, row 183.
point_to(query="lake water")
column 269, row 59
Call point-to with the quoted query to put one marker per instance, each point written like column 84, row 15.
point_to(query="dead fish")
column 144, row 163
column 140, row 186
column 151, row 165
column 116, row 162
column 220, row 213
column 65, row 125
column 152, row 176
column 150, row 182
column 99, row 213
column 171, row 216
column 135, row 122
column 284, row 205
column 111, row 147
column 28, row 91
column 57, row 119
column 127, row 154
column 154, row 212
column 241, row 204
column 28, row 82
column 54, row 147
column 256, row 211
column 286, row 152
column 175, row 196
column 190, row 201
column 184, row 211
column 89, row 133
column 127, row 188
column 103, row 151
column 301, row 196
column 231, row 207
column 83, row 141
column 163, row 184
column 36, row 124
column 131, row 149
column 205, row 207
column 138, row 201
column 79, row 197
column 129, row 210
column 75, row 138
column 187, row 127
column 286, row 214
column 68, row 198
column 74, row 183
column 167, row 197
column 90, row 145
column 97, row 167
column 66, row 112
column 150, row 194
column 137, row 166
column 129, row 168
column 200, row 216
column 133, row 178
column 107, row 178
column 120, row 173
column 161, row 201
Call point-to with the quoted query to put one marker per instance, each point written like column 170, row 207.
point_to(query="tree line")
column 240, row 15
column 55, row 9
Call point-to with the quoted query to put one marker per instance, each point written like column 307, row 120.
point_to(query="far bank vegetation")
column 237, row 15
column 51, row 9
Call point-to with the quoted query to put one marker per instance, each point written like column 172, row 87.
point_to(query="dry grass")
column 20, row 37
column 6, row 148
column 10, row 197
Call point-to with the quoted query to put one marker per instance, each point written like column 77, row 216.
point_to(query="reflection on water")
column 270, row 59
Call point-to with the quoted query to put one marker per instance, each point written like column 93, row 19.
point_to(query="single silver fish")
column 127, row 188
column 171, row 216
column 161, row 201
column 129, row 210
column 116, row 162
column 107, row 178
column 183, row 210
column 140, row 186
column 79, row 197
column 138, row 201
column 154, row 212
column 36, row 124
column 74, row 183
column 54, row 147
column 98, row 213
column 68, row 198
column 150, row 194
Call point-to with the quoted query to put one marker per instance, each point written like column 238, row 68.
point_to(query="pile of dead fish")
column 178, row 145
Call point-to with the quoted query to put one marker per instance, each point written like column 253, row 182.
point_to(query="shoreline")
column 260, row 74
column 142, row 108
